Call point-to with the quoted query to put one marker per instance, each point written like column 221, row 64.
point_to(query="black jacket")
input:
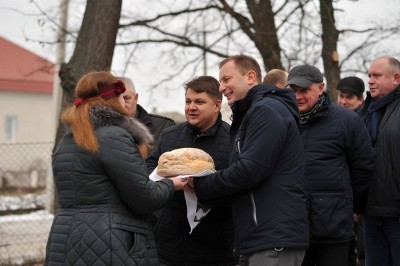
column 266, row 174
column 155, row 123
column 211, row 242
column 104, row 198
column 384, row 192
column 339, row 162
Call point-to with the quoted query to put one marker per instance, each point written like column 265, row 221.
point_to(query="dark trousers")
column 382, row 241
column 358, row 230
column 274, row 257
column 322, row 254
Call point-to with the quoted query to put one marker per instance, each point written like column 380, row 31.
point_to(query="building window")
column 11, row 127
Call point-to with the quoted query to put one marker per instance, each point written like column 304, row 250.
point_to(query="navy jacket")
column 265, row 178
column 211, row 242
column 339, row 162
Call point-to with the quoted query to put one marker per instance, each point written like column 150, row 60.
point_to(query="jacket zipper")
column 237, row 144
column 253, row 205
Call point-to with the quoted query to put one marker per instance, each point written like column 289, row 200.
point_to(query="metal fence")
column 26, row 191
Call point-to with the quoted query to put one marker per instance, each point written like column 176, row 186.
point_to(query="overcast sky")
column 19, row 24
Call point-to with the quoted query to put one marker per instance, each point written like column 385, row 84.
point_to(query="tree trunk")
column 93, row 51
column 94, row 47
column 266, row 38
column 261, row 30
column 330, row 55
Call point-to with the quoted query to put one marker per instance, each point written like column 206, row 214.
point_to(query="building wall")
column 35, row 116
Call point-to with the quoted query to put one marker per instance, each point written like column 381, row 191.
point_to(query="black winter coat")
column 339, row 162
column 155, row 123
column 104, row 197
column 211, row 242
column 266, row 174
column 384, row 192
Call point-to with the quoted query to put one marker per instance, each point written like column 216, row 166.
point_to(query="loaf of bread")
column 184, row 161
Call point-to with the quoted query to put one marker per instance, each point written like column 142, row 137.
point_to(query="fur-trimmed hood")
column 105, row 116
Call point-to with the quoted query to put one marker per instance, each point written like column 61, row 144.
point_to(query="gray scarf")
column 320, row 105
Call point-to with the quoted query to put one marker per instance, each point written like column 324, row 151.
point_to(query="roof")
column 24, row 71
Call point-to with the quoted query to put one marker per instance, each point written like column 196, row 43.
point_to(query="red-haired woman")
column 103, row 186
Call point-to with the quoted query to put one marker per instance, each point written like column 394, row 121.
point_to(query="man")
column 266, row 173
column 339, row 160
column 351, row 96
column 351, row 93
column 276, row 77
column 155, row 123
column 381, row 115
column 211, row 241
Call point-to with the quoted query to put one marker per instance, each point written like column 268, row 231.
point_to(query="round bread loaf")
column 184, row 161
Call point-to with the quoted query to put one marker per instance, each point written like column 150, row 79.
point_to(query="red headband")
column 106, row 92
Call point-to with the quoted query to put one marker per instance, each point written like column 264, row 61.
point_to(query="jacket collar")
column 285, row 96
column 104, row 116
column 142, row 115
column 211, row 131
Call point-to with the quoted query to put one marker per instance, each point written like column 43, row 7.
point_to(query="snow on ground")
column 23, row 202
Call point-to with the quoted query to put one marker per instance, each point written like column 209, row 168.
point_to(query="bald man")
column 276, row 77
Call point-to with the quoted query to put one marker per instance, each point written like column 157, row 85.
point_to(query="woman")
column 103, row 186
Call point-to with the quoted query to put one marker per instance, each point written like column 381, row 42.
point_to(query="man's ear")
column 280, row 86
column 321, row 88
column 218, row 105
column 251, row 77
column 396, row 79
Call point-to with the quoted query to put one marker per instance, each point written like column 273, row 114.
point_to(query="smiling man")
column 266, row 173
column 339, row 161
column 211, row 242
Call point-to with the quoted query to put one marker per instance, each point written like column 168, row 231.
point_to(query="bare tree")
column 194, row 35
column 251, row 27
column 260, row 28
column 94, row 47
column 329, row 53
column 94, row 51
column 280, row 33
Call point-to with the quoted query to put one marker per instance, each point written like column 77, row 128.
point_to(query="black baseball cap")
column 304, row 75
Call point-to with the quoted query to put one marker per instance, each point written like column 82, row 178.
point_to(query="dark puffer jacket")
column 266, row 176
column 339, row 162
column 211, row 242
column 104, row 197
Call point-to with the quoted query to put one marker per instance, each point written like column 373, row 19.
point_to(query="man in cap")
column 351, row 93
column 339, row 160
column 351, row 96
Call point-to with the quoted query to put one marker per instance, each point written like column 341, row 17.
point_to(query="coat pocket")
column 330, row 215
column 132, row 238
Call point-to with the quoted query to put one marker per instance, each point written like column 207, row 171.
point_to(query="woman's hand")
column 179, row 183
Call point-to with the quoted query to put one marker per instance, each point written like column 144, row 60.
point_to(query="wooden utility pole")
column 57, row 96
